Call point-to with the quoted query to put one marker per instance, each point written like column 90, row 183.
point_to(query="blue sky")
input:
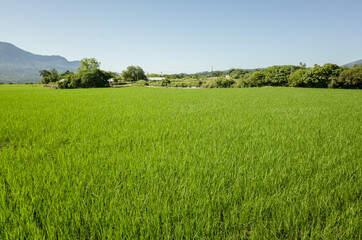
column 187, row 36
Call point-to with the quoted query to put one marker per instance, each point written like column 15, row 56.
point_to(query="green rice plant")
column 163, row 163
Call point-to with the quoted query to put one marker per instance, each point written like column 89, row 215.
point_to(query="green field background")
column 158, row 163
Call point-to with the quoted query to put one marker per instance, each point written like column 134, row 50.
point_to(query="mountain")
column 351, row 64
column 19, row 66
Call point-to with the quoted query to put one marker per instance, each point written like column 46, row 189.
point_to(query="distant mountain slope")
column 18, row 66
column 351, row 64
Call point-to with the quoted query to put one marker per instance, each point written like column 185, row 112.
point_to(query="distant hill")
column 19, row 66
column 351, row 64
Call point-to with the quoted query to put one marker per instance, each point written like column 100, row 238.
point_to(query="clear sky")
column 173, row 36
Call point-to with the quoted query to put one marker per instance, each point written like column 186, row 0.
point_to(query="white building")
column 153, row 79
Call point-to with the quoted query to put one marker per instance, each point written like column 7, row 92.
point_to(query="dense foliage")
column 88, row 75
column 326, row 76
column 155, row 163
column 86, row 79
column 133, row 74
column 350, row 78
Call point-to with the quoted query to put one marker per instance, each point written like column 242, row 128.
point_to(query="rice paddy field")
column 158, row 163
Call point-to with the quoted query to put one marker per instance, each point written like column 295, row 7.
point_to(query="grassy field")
column 150, row 163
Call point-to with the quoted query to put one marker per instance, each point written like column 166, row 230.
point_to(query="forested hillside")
column 19, row 66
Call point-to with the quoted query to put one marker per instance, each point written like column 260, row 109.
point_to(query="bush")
column 165, row 82
column 156, row 83
column 141, row 83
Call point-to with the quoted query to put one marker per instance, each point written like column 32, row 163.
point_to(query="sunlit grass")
column 258, row 163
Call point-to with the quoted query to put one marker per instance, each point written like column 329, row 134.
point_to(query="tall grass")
column 142, row 163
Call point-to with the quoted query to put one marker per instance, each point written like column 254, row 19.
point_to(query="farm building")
column 153, row 79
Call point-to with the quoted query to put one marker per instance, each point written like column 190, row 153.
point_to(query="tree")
column 217, row 74
column 44, row 73
column 88, row 64
column 296, row 78
column 49, row 76
column 133, row 73
column 320, row 76
column 165, row 82
column 350, row 78
column 86, row 79
column 278, row 75
column 237, row 73
column 255, row 79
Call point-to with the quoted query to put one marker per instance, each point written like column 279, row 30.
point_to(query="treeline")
column 326, row 76
column 88, row 75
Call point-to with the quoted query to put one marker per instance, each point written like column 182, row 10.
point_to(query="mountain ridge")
column 351, row 64
column 19, row 66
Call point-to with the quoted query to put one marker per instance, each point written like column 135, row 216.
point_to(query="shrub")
column 141, row 83
column 165, row 82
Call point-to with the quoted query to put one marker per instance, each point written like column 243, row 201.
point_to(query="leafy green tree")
column 175, row 76
column 217, row 74
column 278, row 75
column 86, row 79
column 153, row 75
column 350, row 78
column 44, row 73
column 296, row 78
column 320, row 76
column 54, row 76
column 165, row 82
column 195, row 76
column 88, row 64
column 133, row 73
column 95, row 78
column 64, row 74
column 255, row 79
column 222, row 82
column 49, row 76
column 302, row 65
column 237, row 73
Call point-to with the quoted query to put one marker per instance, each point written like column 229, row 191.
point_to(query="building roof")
column 156, row 78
